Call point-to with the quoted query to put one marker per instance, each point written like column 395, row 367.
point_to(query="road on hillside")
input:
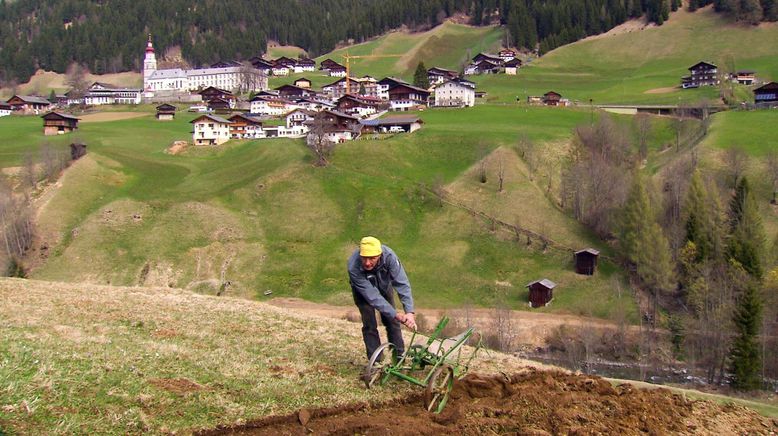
column 530, row 329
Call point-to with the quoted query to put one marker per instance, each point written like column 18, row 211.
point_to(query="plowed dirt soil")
column 533, row 402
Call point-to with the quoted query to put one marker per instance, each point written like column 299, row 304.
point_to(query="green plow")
column 439, row 358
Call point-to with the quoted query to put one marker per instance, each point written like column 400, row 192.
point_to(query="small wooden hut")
column 551, row 98
column 541, row 292
column 166, row 112
column 55, row 123
column 586, row 261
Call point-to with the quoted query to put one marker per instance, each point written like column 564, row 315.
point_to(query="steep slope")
column 257, row 214
column 449, row 46
column 110, row 360
column 645, row 66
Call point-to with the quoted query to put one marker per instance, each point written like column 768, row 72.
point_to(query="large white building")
column 210, row 130
column 177, row 80
column 454, row 93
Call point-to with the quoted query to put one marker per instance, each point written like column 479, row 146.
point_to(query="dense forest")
column 108, row 36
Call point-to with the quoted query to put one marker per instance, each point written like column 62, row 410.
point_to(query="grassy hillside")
column 751, row 132
column 86, row 359
column 638, row 66
column 258, row 214
column 44, row 81
column 82, row 359
column 446, row 46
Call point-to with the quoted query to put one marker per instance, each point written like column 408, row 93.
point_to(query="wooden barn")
column 166, row 112
column 219, row 105
column 551, row 98
column 541, row 292
column 586, row 261
column 55, row 123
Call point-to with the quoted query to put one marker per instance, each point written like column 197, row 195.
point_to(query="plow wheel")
column 382, row 357
column 438, row 389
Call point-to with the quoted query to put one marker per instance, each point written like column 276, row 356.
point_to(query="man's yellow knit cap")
column 369, row 247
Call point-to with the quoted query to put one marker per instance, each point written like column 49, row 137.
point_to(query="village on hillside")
column 343, row 110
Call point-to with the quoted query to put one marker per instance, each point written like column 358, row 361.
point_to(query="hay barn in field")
column 55, row 123
column 541, row 292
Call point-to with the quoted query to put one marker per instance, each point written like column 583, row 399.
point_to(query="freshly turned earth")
column 533, row 402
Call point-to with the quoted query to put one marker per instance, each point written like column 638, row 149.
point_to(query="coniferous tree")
column 746, row 241
column 745, row 353
column 644, row 243
column 420, row 77
column 635, row 219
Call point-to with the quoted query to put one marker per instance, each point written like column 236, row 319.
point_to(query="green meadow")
column 259, row 214
column 643, row 66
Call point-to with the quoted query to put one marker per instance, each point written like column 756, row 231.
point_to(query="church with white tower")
column 176, row 81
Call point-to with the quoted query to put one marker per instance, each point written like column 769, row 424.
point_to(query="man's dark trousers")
column 370, row 325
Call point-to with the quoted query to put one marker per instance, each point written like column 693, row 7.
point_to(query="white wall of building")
column 454, row 94
column 210, row 132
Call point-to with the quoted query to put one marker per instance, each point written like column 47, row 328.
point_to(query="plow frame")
column 440, row 357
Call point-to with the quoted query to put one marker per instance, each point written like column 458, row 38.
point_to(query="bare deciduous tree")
column 29, row 172
column 772, row 172
column 318, row 139
column 736, row 162
column 528, row 151
column 75, row 78
column 643, row 129
column 53, row 161
column 16, row 226
column 595, row 182
column 250, row 79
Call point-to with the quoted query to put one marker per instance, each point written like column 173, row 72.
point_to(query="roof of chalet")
column 215, row 118
column 434, row 70
column 545, row 282
column 247, row 117
column 406, row 85
column 549, row 93
column 102, row 85
column 589, row 250
column 218, row 100
column 513, row 63
column 702, row 63
column 305, row 111
column 392, row 121
column 30, row 99
column 772, row 86
column 340, row 114
column 457, row 82
column 362, row 99
column 394, row 80
column 746, row 72
column 166, row 106
column 294, row 87
column 271, row 99
column 488, row 56
column 258, row 62
column 52, row 114
column 301, row 79
column 225, row 64
column 222, row 91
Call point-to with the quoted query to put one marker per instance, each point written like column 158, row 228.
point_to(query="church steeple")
column 149, row 63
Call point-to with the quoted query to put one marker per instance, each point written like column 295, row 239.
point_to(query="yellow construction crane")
column 347, row 57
